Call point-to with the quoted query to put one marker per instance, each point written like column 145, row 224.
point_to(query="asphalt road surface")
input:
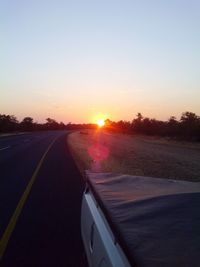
column 40, row 202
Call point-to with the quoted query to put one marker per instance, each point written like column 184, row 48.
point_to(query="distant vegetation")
column 186, row 128
column 9, row 123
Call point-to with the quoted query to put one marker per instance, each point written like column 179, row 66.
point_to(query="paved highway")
column 40, row 201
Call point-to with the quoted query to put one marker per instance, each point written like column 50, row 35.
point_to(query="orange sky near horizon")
column 90, row 108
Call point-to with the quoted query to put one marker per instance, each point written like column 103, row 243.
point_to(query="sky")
column 76, row 61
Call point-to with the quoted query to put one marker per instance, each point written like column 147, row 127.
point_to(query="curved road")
column 40, row 201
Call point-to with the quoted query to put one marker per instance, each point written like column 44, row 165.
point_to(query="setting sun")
column 100, row 122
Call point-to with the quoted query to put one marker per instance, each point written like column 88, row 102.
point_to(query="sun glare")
column 100, row 122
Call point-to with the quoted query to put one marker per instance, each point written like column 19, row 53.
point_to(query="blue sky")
column 77, row 60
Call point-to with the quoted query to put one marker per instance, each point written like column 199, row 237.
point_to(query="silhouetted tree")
column 190, row 125
column 172, row 127
column 137, row 123
column 52, row 124
column 27, row 124
column 8, row 123
column 62, row 126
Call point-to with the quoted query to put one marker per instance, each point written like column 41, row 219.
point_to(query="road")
column 40, row 201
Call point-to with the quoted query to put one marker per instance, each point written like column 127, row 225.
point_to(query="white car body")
column 101, row 246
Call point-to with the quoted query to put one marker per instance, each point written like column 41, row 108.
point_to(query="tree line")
column 187, row 127
column 9, row 124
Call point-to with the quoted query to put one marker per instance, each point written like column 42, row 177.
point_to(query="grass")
column 102, row 151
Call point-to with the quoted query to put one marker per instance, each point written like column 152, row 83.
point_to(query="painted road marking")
column 11, row 226
column 3, row 148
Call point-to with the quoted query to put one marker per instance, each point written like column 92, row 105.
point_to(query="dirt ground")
column 135, row 155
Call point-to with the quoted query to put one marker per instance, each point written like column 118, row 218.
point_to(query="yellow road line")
column 11, row 226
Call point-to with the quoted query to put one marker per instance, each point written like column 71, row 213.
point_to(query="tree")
column 27, row 124
column 189, row 118
column 190, row 125
column 52, row 124
column 8, row 123
column 62, row 126
column 172, row 126
column 137, row 123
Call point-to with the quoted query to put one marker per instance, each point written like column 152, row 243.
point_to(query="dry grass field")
column 136, row 155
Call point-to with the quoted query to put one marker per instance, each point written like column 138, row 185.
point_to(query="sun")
column 100, row 122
